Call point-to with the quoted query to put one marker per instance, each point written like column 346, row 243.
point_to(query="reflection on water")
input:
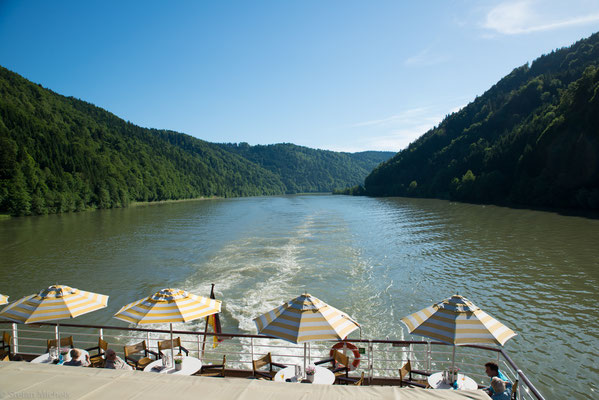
column 377, row 259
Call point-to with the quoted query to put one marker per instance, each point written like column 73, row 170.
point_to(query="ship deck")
column 22, row 380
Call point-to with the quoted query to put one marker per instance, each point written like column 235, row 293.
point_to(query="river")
column 377, row 259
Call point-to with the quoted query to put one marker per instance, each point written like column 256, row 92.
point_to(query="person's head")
column 110, row 354
column 498, row 385
column 75, row 354
column 491, row 369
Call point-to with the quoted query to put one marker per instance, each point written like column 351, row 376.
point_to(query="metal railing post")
column 370, row 360
column 252, row 349
column 15, row 339
column 429, row 357
column 199, row 347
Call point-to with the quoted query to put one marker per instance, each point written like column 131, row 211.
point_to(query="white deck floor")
column 22, row 380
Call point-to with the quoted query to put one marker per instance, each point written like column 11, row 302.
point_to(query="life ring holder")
column 343, row 345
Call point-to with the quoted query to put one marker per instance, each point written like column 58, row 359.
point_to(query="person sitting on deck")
column 499, row 388
column 76, row 359
column 492, row 371
column 115, row 362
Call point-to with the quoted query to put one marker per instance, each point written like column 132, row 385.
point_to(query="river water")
column 377, row 259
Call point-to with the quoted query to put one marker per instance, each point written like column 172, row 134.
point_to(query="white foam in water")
column 255, row 274
column 252, row 276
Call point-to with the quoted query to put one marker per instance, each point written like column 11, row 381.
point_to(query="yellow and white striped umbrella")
column 458, row 321
column 54, row 303
column 306, row 319
column 3, row 299
column 168, row 306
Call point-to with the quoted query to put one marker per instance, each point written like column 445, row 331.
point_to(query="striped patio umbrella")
column 306, row 319
column 3, row 299
column 168, row 306
column 54, row 303
column 458, row 321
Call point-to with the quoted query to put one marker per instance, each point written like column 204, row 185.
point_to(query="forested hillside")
column 305, row 170
column 60, row 154
column 532, row 139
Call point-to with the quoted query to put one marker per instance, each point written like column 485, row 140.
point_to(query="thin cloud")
column 522, row 17
column 397, row 118
column 425, row 59
column 396, row 132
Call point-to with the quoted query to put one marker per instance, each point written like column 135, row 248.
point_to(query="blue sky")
column 340, row 75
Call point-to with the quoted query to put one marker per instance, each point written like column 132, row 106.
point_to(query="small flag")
column 214, row 321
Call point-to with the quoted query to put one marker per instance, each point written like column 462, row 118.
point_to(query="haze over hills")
column 532, row 139
column 61, row 154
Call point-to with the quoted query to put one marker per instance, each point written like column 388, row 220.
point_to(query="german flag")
column 214, row 321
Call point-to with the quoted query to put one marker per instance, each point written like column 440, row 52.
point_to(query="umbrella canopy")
column 306, row 319
column 3, row 299
column 54, row 303
column 168, row 306
column 458, row 321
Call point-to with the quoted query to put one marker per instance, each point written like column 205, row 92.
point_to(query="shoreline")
column 154, row 203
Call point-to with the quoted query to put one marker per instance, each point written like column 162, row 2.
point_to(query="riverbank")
column 154, row 203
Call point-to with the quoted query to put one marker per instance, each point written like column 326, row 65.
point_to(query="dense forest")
column 305, row 170
column 532, row 139
column 61, row 154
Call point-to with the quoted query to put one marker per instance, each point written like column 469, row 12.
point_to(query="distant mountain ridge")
column 60, row 154
column 305, row 170
column 532, row 139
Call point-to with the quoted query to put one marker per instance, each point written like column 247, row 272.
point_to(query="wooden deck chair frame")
column 213, row 370
column 64, row 342
column 339, row 364
column 263, row 361
column 354, row 381
column 166, row 345
column 514, row 394
column 6, row 342
column 98, row 359
column 407, row 371
column 139, row 363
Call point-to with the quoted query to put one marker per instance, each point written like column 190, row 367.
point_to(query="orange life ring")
column 350, row 346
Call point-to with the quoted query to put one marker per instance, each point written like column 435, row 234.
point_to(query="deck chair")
column 5, row 342
column 97, row 360
column 4, row 355
column 405, row 376
column 339, row 365
column 514, row 394
column 265, row 361
column 138, row 355
column 213, row 369
column 166, row 345
column 64, row 342
column 351, row 380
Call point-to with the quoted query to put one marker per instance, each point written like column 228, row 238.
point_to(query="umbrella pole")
column 172, row 347
column 455, row 378
column 57, row 334
column 305, row 346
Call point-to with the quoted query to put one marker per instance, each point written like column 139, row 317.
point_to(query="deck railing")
column 379, row 359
